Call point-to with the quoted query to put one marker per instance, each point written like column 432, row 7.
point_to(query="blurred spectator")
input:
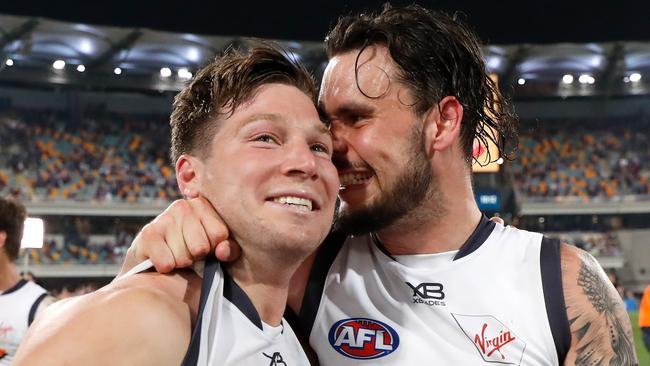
column 77, row 253
column 644, row 317
column 597, row 244
column 66, row 292
column 85, row 240
column 29, row 276
column 20, row 300
column 631, row 302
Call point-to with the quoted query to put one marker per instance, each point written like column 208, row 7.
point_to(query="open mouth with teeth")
column 302, row 204
column 348, row 179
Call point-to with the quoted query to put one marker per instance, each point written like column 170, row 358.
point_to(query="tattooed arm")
column 600, row 327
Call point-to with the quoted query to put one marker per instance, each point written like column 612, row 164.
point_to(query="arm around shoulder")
column 133, row 326
column 601, row 333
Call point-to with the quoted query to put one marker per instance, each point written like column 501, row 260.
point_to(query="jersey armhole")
column 192, row 355
column 551, row 272
column 34, row 308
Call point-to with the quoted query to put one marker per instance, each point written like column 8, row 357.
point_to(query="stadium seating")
column 605, row 244
column 69, row 253
column 104, row 157
column 584, row 162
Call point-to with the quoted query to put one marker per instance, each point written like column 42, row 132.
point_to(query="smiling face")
column 378, row 140
column 269, row 173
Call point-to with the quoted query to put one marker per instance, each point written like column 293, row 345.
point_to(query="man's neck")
column 265, row 283
column 457, row 218
column 8, row 274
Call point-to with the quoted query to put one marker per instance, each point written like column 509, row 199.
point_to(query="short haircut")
column 437, row 56
column 12, row 222
column 223, row 85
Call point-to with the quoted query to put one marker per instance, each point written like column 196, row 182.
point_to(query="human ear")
column 442, row 124
column 187, row 177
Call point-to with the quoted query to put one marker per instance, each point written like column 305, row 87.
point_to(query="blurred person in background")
column 644, row 317
column 29, row 276
column 21, row 300
column 631, row 302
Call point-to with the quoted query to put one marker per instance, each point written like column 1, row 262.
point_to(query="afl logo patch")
column 363, row 338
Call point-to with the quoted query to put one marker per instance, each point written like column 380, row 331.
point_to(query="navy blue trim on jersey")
column 554, row 296
column 32, row 310
column 233, row 293
column 15, row 287
column 192, row 355
column 380, row 246
column 325, row 256
column 478, row 237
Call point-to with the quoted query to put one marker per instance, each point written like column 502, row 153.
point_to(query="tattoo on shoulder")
column 596, row 345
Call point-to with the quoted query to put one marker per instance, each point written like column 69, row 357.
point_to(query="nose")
column 300, row 161
column 338, row 137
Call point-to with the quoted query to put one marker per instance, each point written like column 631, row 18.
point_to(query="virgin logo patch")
column 493, row 340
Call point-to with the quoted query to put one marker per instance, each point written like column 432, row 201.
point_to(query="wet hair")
column 12, row 222
column 220, row 87
column 437, row 56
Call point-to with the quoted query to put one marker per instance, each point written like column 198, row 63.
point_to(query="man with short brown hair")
column 246, row 135
column 20, row 300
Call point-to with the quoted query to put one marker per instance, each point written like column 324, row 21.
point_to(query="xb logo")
column 428, row 290
column 428, row 293
column 276, row 359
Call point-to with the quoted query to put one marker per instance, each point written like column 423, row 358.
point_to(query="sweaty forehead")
column 278, row 104
column 370, row 72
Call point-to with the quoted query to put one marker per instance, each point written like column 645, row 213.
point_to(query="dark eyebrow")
column 345, row 108
column 323, row 116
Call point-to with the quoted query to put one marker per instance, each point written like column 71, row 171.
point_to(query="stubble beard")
column 402, row 203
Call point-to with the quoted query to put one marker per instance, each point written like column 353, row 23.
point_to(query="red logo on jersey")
column 489, row 346
column 493, row 340
column 363, row 338
column 4, row 330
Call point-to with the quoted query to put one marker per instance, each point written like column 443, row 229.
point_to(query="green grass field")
column 642, row 353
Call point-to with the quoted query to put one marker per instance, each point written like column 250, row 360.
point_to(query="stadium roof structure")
column 39, row 51
column 34, row 44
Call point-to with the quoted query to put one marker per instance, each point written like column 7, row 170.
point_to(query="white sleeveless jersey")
column 482, row 305
column 18, row 307
column 229, row 330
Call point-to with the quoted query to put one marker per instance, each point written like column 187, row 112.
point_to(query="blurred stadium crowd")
column 584, row 161
column 103, row 157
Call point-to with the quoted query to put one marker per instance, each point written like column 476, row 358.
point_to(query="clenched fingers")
column 214, row 227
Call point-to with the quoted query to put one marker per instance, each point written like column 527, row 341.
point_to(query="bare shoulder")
column 181, row 288
column 137, row 322
column 600, row 327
